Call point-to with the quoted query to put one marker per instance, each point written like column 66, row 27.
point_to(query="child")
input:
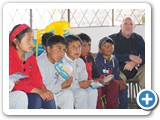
column 45, row 37
column 55, row 48
column 84, row 96
column 110, row 89
column 21, row 59
column 87, row 57
column 108, row 64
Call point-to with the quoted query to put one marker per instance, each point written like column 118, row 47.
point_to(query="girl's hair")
column 84, row 37
column 55, row 39
column 71, row 38
column 18, row 32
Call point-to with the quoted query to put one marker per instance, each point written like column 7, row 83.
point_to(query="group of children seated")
column 47, row 88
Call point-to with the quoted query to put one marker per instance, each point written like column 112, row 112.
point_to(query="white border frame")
column 6, row 9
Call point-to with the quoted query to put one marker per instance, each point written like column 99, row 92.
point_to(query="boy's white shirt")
column 79, row 71
column 48, row 73
column 54, row 82
column 44, row 52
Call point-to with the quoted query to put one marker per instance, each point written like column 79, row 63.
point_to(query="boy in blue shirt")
column 108, row 64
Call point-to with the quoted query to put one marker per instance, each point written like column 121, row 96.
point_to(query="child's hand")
column 67, row 83
column 121, row 85
column 84, row 84
column 98, row 80
column 49, row 94
column 16, row 81
column 46, row 95
column 42, row 94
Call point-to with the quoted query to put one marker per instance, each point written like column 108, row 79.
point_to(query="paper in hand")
column 98, row 84
column 64, row 68
column 14, row 77
column 95, row 84
column 17, row 76
column 107, row 79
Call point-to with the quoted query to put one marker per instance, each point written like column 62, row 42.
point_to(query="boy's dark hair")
column 71, row 38
column 104, row 40
column 55, row 39
column 21, row 34
column 45, row 37
column 84, row 37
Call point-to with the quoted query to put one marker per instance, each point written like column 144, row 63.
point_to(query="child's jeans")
column 111, row 93
column 123, row 98
column 36, row 102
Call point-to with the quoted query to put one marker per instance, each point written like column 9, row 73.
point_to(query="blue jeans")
column 36, row 102
column 123, row 98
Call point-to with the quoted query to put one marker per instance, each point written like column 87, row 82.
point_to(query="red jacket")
column 28, row 67
column 90, row 66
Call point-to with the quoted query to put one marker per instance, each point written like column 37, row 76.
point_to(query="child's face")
column 56, row 53
column 86, row 47
column 74, row 50
column 107, row 49
column 26, row 43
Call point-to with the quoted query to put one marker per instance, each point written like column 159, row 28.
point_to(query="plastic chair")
column 134, row 88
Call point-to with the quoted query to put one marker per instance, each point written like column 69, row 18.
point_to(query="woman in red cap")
column 21, row 59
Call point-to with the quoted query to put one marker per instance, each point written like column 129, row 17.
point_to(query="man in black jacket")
column 130, row 52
